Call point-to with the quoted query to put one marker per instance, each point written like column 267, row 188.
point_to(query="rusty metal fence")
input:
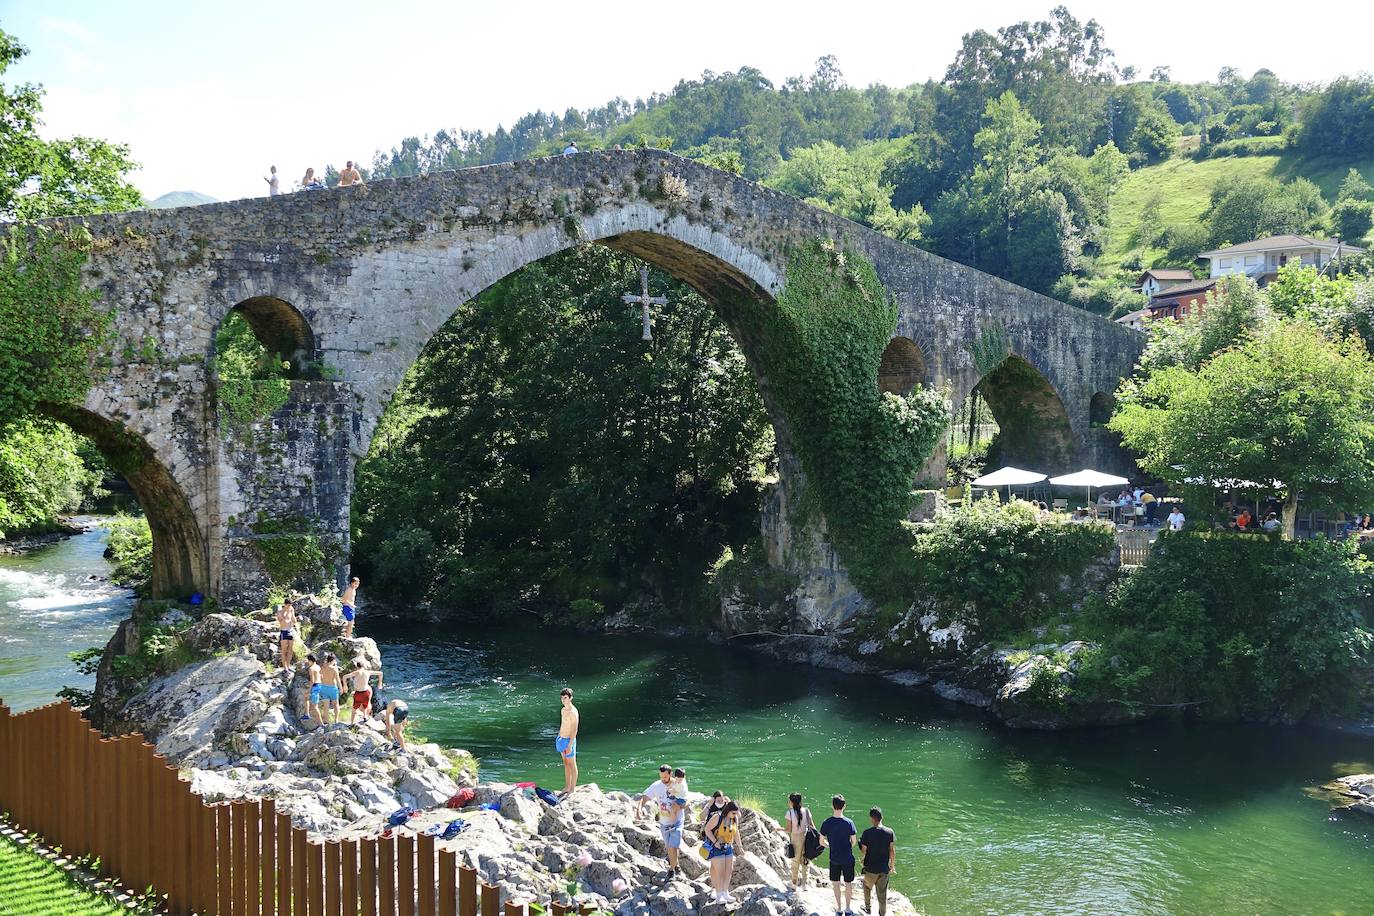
column 118, row 801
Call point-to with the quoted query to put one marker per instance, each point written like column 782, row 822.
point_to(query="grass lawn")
column 31, row 885
column 1183, row 188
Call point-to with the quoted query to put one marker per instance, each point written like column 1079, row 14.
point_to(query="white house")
column 1157, row 279
column 1135, row 320
column 1262, row 258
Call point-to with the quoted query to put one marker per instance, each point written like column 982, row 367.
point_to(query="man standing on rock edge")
column 879, row 846
column 286, row 625
column 567, row 741
column 350, row 600
column 839, row 833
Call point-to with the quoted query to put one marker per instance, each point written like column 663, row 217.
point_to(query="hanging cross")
column 644, row 300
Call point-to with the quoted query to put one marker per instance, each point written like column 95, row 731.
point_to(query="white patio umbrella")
column 1008, row 477
column 1089, row 478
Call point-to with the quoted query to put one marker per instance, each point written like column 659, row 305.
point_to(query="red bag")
column 462, row 799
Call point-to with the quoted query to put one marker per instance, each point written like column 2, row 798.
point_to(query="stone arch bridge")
column 358, row 279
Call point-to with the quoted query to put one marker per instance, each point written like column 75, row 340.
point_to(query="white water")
column 49, row 607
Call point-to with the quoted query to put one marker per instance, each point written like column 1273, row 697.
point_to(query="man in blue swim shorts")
column 566, row 743
column 350, row 602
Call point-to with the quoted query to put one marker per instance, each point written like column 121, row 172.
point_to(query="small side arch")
column 180, row 560
column 1033, row 427
column 902, row 367
column 1100, row 409
column 280, row 327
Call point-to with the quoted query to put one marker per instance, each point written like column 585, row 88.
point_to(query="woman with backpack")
column 795, row 827
column 722, row 842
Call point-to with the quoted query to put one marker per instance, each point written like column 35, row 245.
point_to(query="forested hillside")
column 1034, row 157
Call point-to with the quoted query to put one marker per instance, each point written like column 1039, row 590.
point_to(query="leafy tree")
column 1181, row 632
column 1289, row 410
column 571, row 459
column 41, row 475
column 1244, row 208
column 1155, row 134
column 1353, row 214
column 41, row 178
column 1339, row 120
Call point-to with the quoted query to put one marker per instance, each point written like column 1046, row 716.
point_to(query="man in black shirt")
column 879, row 847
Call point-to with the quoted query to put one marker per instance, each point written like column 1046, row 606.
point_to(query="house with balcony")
column 1182, row 300
column 1261, row 259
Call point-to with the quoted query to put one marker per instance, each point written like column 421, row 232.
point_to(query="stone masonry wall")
column 376, row 269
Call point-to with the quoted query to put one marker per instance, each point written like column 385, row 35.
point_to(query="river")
column 1149, row 819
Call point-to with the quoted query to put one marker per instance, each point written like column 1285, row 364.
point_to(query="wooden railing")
column 1135, row 544
column 118, row 801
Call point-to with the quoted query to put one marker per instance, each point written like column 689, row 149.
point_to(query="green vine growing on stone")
column 990, row 350
column 51, row 330
column 250, row 383
column 287, row 554
column 860, row 449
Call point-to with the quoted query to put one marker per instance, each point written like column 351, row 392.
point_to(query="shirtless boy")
column 359, row 683
column 312, row 705
column 286, row 624
column 330, row 683
column 350, row 601
column 567, row 741
column 395, row 716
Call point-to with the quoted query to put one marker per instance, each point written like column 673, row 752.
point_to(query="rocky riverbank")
column 62, row 529
column 231, row 720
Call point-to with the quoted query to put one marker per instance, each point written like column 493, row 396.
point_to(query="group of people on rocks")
column 328, row 682
column 720, row 829
column 722, row 841
column 313, row 182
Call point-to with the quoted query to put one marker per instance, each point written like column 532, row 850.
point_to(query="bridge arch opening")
column 270, row 335
column 1033, row 429
column 563, row 393
column 1100, row 409
column 179, row 556
column 902, row 367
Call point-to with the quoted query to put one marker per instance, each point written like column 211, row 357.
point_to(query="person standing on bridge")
column 350, row 603
column 273, row 185
column 570, row 149
column 350, row 175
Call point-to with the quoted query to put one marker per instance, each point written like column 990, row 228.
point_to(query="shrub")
column 1006, row 560
column 1242, row 624
column 131, row 548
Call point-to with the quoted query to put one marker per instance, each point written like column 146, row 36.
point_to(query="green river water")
column 1150, row 819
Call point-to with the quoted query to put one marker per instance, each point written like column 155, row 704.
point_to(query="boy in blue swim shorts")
column 350, row 602
column 566, row 743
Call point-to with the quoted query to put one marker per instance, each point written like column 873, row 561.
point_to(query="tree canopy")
column 42, row 178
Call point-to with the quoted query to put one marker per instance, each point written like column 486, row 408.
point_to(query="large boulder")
column 1359, row 788
column 187, row 711
column 218, row 633
column 427, row 786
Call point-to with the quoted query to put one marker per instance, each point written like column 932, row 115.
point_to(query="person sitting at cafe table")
column 1271, row 522
column 1243, row 520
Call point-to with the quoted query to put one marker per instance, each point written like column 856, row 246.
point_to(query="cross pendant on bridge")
column 644, row 300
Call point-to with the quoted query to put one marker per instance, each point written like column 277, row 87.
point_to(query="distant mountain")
column 180, row 199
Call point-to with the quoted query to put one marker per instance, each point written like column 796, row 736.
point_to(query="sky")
column 207, row 96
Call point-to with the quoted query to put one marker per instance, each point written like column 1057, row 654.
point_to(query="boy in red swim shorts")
column 359, row 681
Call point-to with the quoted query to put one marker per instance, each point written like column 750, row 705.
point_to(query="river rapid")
column 1158, row 818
